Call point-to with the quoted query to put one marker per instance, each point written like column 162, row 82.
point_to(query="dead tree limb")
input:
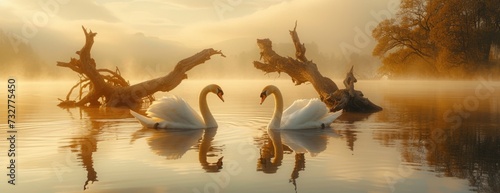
column 302, row 70
column 113, row 88
column 128, row 96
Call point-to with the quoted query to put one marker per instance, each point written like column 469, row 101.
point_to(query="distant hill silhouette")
column 19, row 61
column 142, row 57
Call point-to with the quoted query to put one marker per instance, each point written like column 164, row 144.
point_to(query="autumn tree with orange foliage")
column 439, row 38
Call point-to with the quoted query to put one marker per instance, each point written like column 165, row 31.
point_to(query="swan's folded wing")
column 330, row 117
column 295, row 106
column 145, row 121
column 300, row 116
column 174, row 109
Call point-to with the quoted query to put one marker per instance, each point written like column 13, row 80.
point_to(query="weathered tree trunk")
column 113, row 88
column 302, row 70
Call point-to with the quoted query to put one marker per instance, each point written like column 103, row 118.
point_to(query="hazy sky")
column 192, row 23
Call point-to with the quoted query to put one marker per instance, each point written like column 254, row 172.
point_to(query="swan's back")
column 175, row 113
column 307, row 114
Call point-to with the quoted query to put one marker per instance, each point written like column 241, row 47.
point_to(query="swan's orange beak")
column 262, row 97
column 219, row 94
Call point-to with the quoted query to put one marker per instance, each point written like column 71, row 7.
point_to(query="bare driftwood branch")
column 133, row 94
column 300, row 49
column 302, row 70
column 113, row 88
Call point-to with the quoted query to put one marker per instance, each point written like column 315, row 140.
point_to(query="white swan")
column 173, row 112
column 302, row 114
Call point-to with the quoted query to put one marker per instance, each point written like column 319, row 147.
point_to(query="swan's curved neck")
column 278, row 110
column 205, row 111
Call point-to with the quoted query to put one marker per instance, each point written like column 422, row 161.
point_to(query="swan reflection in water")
column 174, row 143
column 169, row 143
column 280, row 142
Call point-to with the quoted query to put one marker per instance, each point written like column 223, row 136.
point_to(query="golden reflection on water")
column 109, row 150
column 86, row 144
column 350, row 131
column 440, row 130
column 173, row 144
column 276, row 143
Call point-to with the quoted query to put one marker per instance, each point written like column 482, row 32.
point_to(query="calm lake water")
column 433, row 136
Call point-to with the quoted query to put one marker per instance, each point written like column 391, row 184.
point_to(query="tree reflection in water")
column 84, row 145
column 426, row 137
column 349, row 132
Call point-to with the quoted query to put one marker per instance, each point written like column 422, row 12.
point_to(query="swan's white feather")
column 145, row 121
column 330, row 117
column 171, row 112
column 307, row 114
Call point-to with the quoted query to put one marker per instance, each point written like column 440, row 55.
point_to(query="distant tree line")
column 440, row 38
column 20, row 61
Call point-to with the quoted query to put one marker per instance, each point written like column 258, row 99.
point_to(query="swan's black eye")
column 219, row 91
column 263, row 94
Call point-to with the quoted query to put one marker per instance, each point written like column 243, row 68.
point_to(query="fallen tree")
column 109, row 88
column 302, row 70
